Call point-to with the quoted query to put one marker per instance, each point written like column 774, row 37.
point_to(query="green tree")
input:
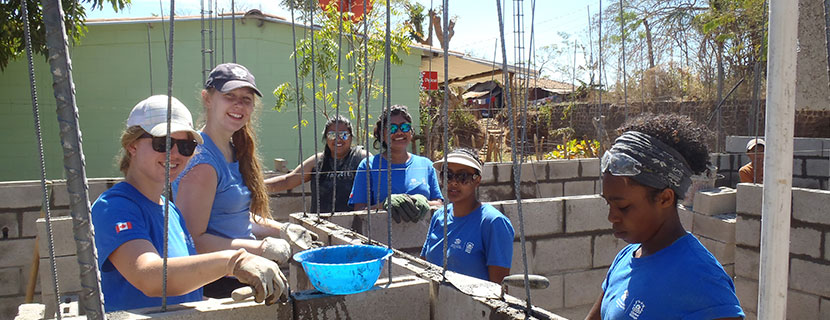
column 11, row 22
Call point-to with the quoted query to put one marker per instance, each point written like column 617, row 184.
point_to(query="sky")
column 476, row 29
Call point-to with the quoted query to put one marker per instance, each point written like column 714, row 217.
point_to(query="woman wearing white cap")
column 480, row 237
column 222, row 193
column 129, row 222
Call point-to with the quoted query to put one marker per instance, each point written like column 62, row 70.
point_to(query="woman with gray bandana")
column 664, row 272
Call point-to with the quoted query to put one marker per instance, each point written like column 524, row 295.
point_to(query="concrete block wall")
column 808, row 296
column 811, row 162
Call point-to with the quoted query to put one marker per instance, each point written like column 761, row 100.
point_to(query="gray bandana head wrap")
column 660, row 165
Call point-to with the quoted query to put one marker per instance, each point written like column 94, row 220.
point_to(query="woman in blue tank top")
column 664, row 272
column 222, row 193
column 129, row 222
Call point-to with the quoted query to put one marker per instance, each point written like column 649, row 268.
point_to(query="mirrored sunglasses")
column 186, row 146
column 403, row 127
column 460, row 177
column 343, row 135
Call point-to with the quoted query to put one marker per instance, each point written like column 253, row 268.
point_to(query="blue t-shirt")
column 122, row 214
column 416, row 176
column 230, row 213
column 480, row 239
column 681, row 281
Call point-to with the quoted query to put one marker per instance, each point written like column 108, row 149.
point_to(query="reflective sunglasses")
column 460, row 177
column 404, row 127
column 343, row 135
column 186, row 147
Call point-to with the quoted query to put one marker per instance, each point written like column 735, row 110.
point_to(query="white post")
column 778, row 157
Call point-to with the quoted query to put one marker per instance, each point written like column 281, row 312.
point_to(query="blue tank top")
column 230, row 212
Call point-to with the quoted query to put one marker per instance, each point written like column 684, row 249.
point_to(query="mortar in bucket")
column 343, row 269
column 704, row 181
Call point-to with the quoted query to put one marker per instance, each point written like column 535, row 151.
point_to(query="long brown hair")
column 130, row 135
column 244, row 146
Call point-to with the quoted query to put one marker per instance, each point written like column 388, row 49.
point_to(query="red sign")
column 429, row 80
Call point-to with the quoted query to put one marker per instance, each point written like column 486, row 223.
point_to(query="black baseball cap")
column 229, row 76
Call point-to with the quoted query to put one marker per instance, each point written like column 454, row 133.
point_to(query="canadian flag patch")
column 121, row 226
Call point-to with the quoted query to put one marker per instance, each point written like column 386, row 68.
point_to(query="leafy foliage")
column 575, row 149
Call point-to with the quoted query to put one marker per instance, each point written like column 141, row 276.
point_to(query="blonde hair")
column 128, row 136
column 244, row 143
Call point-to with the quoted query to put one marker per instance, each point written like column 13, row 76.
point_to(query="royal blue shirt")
column 230, row 212
column 416, row 176
column 681, row 281
column 480, row 239
column 122, row 214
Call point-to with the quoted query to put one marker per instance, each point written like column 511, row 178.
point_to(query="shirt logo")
column 239, row 72
column 637, row 309
column 456, row 244
column 469, row 247
column 621, row 300
column 121, row 226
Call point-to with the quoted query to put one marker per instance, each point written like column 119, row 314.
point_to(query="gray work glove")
column 275, row 249
column 263, row 275
column 416, row 208
column 298, row 236
column 394, row 204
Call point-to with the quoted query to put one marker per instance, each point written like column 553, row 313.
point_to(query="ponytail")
column 244, row 142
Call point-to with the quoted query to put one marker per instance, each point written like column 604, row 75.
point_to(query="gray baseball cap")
column 229, row 76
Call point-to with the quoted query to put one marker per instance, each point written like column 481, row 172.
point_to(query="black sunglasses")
column 186, row 147
column 460, row 177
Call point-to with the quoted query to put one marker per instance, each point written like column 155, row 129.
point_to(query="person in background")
column 414, row 181
column 664, row 272
column 221, row 193
column 753, row 172
column 480, row 237
column 129, row 223
column 340, row 154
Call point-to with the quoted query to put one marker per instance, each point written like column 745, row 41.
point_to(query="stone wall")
column 808, row 296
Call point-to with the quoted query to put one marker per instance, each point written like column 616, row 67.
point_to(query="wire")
column 167, row 147
column 299, row 104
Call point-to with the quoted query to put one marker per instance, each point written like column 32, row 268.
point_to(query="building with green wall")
column 111, row 70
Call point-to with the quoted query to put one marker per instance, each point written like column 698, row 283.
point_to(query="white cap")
column 459, row 158
column 752, row 142
column 151, row 115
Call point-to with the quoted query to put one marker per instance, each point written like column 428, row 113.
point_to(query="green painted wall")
column 111, row 73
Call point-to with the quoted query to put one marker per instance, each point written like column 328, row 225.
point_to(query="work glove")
column 275, row 249
column 263, row 275
column 416, row 208
column 298, row 236
column 393, row 205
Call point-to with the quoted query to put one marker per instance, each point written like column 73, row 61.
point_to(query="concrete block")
column 737, row 144
column 504, row 172
column 9, row 225
column 551, row 189
column 96, row 187
column 69, row 272
column 807, row 147
column 606, row 248
column 807, row 183
column 810, row 277
column 488, row 173
column 724, row 162
column 63, row 237
column 16, row 252
column 404, row 234
column 583, row 288
column 589, row 167
column 9, row 305
column 805, row 241
column 534, row 172
column 749, row 199
column 578, row 188
column 558, row 254
column 824, row 309
column 747, row 263
column 517, row 266
column 724, row 252
column 827, row 246
column 30, row 223
column 563, row 169
column 496, row 192
column 549, row 299
column 21, row 195
column 446, row 303
column 817, row 167
column 715, row 201
column 529, row 190
column 802, row 306
column 686, row 217
column 30, row 311
column 212, row 309
column 586, row 213
column 798, row 167
column 747, row 292
column 574, row 313
column 730, row 270
column 826, row 148
column 748, row 231
column 811, row 205
column 720, row 227
column 541, row 216
column 11, row 281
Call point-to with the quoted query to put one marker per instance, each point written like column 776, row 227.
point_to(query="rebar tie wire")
column 43, row 183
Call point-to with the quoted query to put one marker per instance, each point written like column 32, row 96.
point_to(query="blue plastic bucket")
column 343, row 269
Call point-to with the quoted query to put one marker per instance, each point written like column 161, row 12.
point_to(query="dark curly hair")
column 394, row 110
column 677, row 131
